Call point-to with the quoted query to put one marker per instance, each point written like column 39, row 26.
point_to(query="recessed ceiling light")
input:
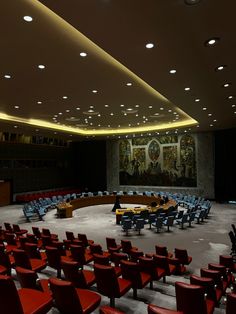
column 150, row 107
column 83, row 54
column 230, row 97
column 191, row 2
column 129, row 109
column 125, row 114
column 136, row 115
column 233, row 106
column 106, row 106
column 220, row 67
column 64, row 97
column 211, row 124
column 187, row 88
column 39, row 102
column 41, row 66
column 15, row 126
column 91, row 107
column 172, row 71
column 214, row 120
column 112, row 114
column 36, row 130
column 169, row 110
column 55, row 133
column 122, row 105
column 197, row 100
column 161, row 108
column 67, row 110
column 28, row 18
column 204, row 108
column 16, row 107
column 129, row 84
column 94, row 91
column 209, row 114
column 137, row 106
column 156, row 114
column 226, row 84
column 212, row 41
column 90, row 110
column 78, row 108
column 60, row 113
column 149, row 45
column 7, row 76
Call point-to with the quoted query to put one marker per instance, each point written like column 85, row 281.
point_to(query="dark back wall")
column 32, row 167
column 225, row 165
column 90, row 165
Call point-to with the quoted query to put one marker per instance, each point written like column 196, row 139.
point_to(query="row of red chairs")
column 138, row 271
column 22, row 198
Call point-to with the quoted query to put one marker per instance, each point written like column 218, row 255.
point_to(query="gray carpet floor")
column 204, row 242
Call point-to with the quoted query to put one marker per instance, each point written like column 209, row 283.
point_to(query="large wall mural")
column 168, row 160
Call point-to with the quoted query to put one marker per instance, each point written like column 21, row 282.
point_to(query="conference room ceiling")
column 118, row 87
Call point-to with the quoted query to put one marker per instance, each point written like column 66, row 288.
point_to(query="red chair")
column 54, row 259
column 80, row 278
column 73, row 300
column 105, row 260
column 162, row 250
column 11, row 242
column 228, row 262
column 231, row 303
column 148, row 265
column 109, row 310
column 183, row 258
column 22, row 260
column 154, row 309
column 47, row 232
column 33, row 252
column 216, row 276
column 29, row 279
column 227, row 277
column 190, row 299
column 208, row 284
column 70, row 236
column 36, row 232
column 86, row 242
column 164, row 262
column 79, row 255
column 131, row 271
column 112, row 246
column 118, row 257
column 18, row 231
column 22, row 301
column 8, row 227
column 127, row 247
column 109, row 285
column 6, row 260
column 97, row 249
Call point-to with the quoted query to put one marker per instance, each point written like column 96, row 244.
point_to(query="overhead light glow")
column 7, row 76
column 187, row 88
column 94, row 91
column 28, row 18
column 41, row 66
column 197, row 100
column 83, row 54
column 220, row 68
column 173, row 71
column 149, row 45
column 211, row 42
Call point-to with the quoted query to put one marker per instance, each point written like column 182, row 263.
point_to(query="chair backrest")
column 73, row 274
column 106, row 280
column 126, row 246
column 46, row 240
column 214, row 274
column 139, row 223
column 130, row 271
column 83, row 237
column 65, row 296
column 111, row 242
column 32, row 250
column 4, row 259
column 101, row 259
column 27, row 278
column 9, row 298
column 147, row 265
column 53, row 256
column 46, row 232
column 96, row 248
column 190, row 298
column 207, row 284
column 16, row 228
column 70, row 235
column 227, row 261
column 77, row 252
column 161, row 250
column 21, row 259
column 60, row 246
column 231, row 303
column 117, row 257
column 22, row 241
column 182, row 255
column 36, row 232
column 8, row 227
column 10, row 238
column 162, row 262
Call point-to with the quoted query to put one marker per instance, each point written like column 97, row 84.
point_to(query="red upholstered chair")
column 80, row 278
column 117, row 257
column 190, row 299
column 70, row 235
column 22, row 260
column 105, row 260
column 23, row 301
column 208, row 284
column 164, row 262
column 162, row 250
column 109, row 285
column 227, row 277
column 47, row 232
column 33, row 252
column 231, row 303
column 29, row 279
column 21, row 242
column 61, row 247
column 83, row 237
column 32, row 238
column 54, row 259
column 79, row 255
column 46, row 241
column 183, row 258
column 6, row 261
column 8, row 227
column 97, row 249
column 18, row 231
column 73, row 300
column 148, row 265
column 216, row 276
column 127, row 246
column 112, row 245
column 131, row 271
column 37, row 232
column 11, row 242
column 154, row 309
column 109, row 310
column 228, row 262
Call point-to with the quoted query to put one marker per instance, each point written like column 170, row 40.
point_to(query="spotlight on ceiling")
column 191, row 2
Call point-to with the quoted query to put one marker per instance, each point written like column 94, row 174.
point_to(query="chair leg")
column 112, row 302
column 151, row 285
column 59, row 273
column 164, row 279
column 135, row 295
